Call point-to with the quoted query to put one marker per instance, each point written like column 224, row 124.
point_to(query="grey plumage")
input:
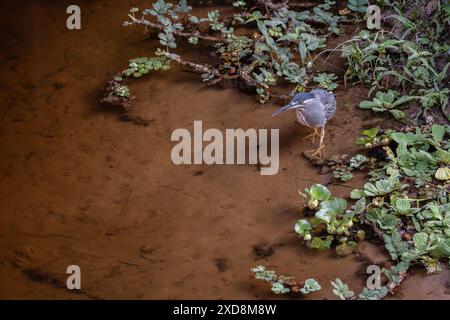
column 314, row 109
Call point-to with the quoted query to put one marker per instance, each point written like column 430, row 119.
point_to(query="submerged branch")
column 199, row 68
column 196, row 34
column 277, row 6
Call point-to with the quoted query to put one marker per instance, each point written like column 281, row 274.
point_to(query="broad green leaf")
column 341, row 290
column 375, row 294
column 403, row 206
column 311, row 285
column 302, row 227
column 302, row 50
column 442, row 250
column 443, row 156
column 325, row 215
column 420, row 241
column 336, row 205
column 367, row 105
column 319, row 192
column 438, row 132
column 398, row 114
column 357, row 194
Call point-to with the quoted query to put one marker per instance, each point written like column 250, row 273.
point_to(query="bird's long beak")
column 287, row 107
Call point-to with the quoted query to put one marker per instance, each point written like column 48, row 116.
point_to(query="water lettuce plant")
column 283, row 284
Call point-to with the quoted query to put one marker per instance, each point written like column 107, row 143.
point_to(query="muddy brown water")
column 78, row 186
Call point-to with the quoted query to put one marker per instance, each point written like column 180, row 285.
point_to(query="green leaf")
column 321, row 244
column 336, row 205
column 403, row 206
column 370, row 133
column 367, row 105
column 302, row 50
column 389, row 221
column 375, row 214
column 420, row 241
column 311, row 285
column 443, row 155
column 325, row 215
column 278, row 288
column 381, row 187
column 403, row 100
column 357, row 194
column 302, row 227
column 360, row 205
column 341, row 290
column 359, row 6
column 395, row 245
column 442, row 249
column 319, row 192
column 438, row 132
column 376, row 294
column 398, row 114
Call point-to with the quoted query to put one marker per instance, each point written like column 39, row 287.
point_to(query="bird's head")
column 310, row 99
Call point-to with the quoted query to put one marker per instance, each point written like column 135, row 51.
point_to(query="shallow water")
column 78, row 186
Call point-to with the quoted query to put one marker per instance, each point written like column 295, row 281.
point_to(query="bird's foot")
column 316, row 152
column 312, row 136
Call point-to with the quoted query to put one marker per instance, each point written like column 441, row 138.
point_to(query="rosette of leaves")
column 357, row 161
column 315, row 195
column 368, row 138
column 342, row 168
column 282, row 284
column 311, row 285
column 443, row 173
column 342, row 173
column 265, row 78
column 380, row 188
column 359, row 6
column 387, row 101
column 331, row 216
column 325, row 81
column 292, row 72
column 341, row 290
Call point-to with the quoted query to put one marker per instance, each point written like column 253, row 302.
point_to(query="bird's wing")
column 300, row 100
column 314, row 114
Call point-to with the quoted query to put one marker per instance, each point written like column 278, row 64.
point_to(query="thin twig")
column 199, row 68
column 176, row 32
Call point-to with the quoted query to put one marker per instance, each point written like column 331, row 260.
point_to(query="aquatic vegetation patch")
column 260, row 46
column 281, row 284
column 405, row 202
column 406, row 206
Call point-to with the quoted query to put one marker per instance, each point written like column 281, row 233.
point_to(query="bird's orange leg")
column 318, row 151
column 313, row 135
